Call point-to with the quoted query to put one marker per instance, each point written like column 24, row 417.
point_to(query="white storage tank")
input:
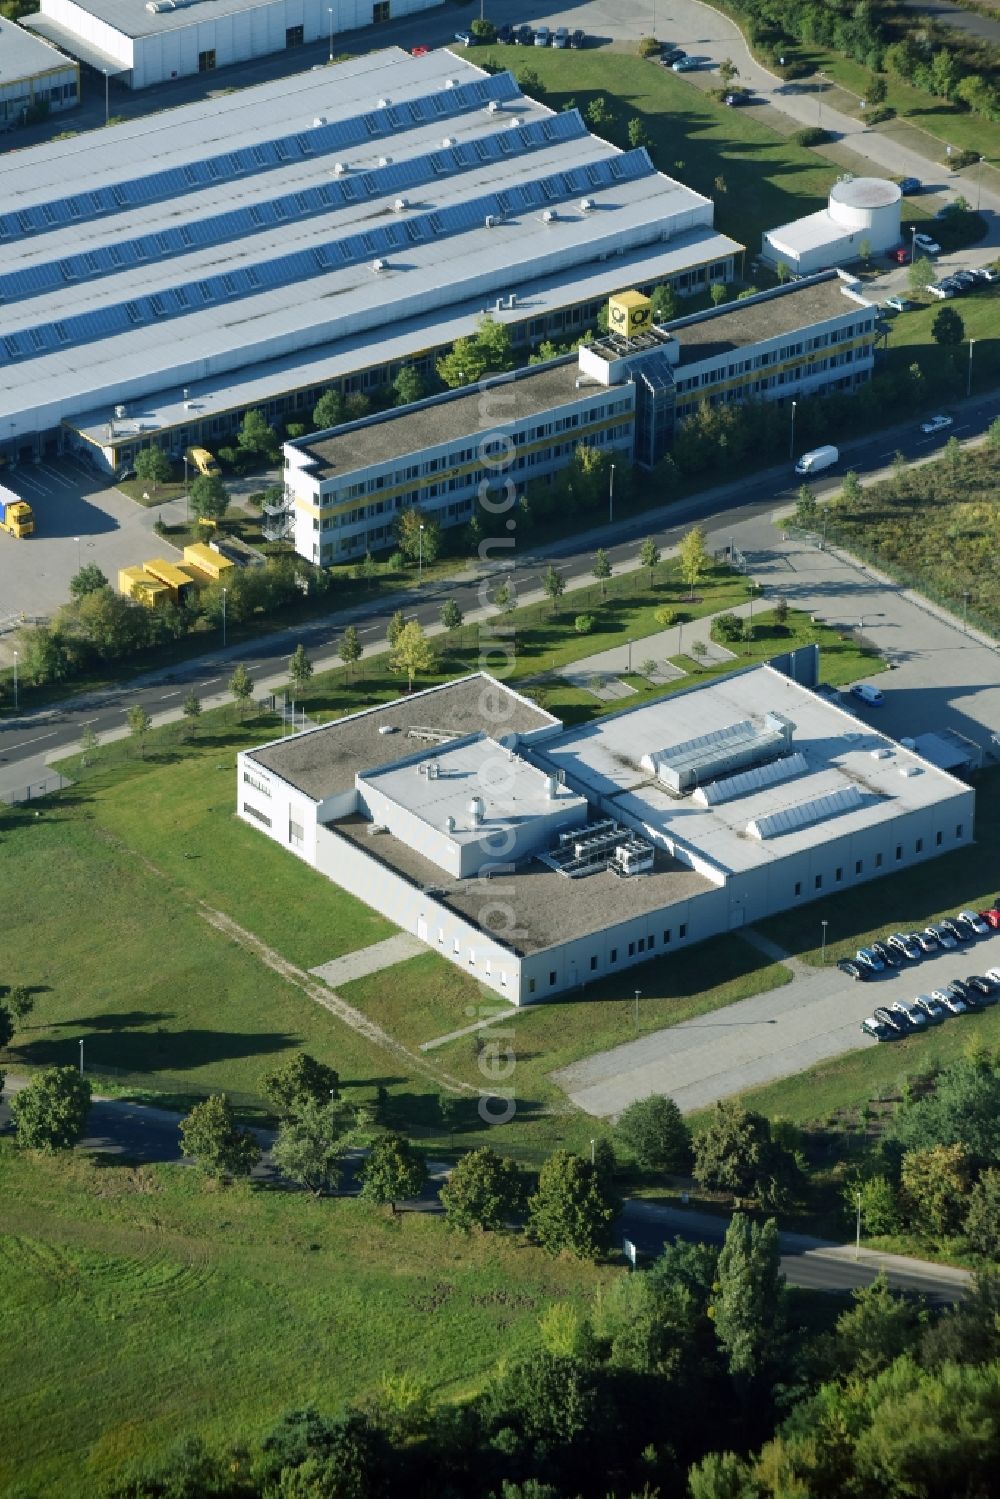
column 869, row 206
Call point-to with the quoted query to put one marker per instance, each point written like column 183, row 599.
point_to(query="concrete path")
column 357, row 965
column 760, row 1039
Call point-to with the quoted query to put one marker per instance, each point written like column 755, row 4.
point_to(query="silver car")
column 951, row 1002
column 945, row 938
column 934, row 1012
column 916, row 1017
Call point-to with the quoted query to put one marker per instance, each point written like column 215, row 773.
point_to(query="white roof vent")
column 378, row 265
column 387, row 728
column 400, row 204
column 385, row 161
column 451, row 83
column 120, row 412
column 318, row 120
column 910, row 770
column 493, row 107
column 383, row 104
column 881, row 753
column 515, row 124
column 156, row 7
column 339, row 168
column 447, row 142
column 548, row 217
column 489, row 221
column 586, row 204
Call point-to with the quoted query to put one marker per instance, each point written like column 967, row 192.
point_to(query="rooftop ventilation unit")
column 121, row 412
column 548, row 217
column 385, row 161
column 400, row 204
column 318, row 120
column 378, row 265
column 339, row 168
column 805, row 814
column 447, row 143
column 738, row 746
column 586, row 205
column 746, row 782
column 515, row 124
column 451, row 83
column 493, row 107
column 157, row 7
column 384, row 103
column 489, row 222
column 910, row 770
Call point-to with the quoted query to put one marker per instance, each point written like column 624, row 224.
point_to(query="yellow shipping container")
column 205, row 561
column 178, row 581
column 136, row 583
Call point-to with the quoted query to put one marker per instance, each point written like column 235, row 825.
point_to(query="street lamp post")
column 822, row 953
column 593, row 1152
column 15, row 681
column 329, row 11
column 223, row 619
column 107, row 106
column 186, row 490
column 81, row 1056
column 979, row 183
column 791, row 440
column 420, row 554
column 638, row 996
column 968, row 383
column 965, row 611
column 857, row 1233
column 913, row 243
column 77, row 540
column 611, row 497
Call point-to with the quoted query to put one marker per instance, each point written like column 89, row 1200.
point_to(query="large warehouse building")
column 155, row 283
column 151, row 41
column 540, row 859
column 624, row 393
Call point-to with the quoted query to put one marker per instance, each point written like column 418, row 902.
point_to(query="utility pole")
column 223, row 619
column 968, row 383
column 15, row 681
column 791, row 440
column 822, row 954
column 638, row 996
column 329, row 11
column 857, row 1233
column 81, row 1056
column 611, row 497
column 420, row 554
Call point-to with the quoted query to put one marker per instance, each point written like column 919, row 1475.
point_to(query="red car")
column 993, row 917
column 419, row 51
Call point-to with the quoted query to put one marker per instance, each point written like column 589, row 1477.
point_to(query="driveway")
column 761, row 1039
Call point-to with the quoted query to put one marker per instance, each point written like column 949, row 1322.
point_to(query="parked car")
column 560, row 37
column 993, row 974
column 524, row 36
column 936, row 424
column 542, row 36
column 873, row 1027
column 736, row 99
column 670, row 55
column 970, row 999
column 505, row 35
column 909, row 185
column 578, row 38
column 963, row 278
column 935, row 1013
column 905, row 944
column 899, row 304
column 957, row 930
column 684, row 64
column 927, row 941
column 914, row 1017
column 951, row 1002
column 973, row 923
column 885, row 1017
column 959, row 987
column 868, row 959
column 852, row 969
column 945, row 939
column 889, row 956
column 986, row 273
column 983, row 987
column 926, row 245
column 941, row 291
column 991, row 917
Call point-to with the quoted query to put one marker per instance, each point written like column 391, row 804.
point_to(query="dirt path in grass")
column 322, row 995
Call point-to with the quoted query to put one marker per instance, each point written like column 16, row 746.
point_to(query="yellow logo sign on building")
column 629, row 312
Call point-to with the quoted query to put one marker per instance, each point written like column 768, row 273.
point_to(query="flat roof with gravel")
column 789, row 312
column 324, row 761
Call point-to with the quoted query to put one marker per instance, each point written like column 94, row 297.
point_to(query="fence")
column 33, row 790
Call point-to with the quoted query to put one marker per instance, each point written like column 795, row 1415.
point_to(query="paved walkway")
column 357, row 965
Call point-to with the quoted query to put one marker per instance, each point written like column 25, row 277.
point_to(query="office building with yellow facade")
column 624, row 394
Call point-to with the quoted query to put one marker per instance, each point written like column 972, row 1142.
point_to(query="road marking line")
column 25, row 742
column 170, row 694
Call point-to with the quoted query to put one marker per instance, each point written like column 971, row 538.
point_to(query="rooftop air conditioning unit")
column 451, row 83
column 339, row 168
column 586, row 204
column 383, row 103
column 515, row 124
column 385, row 161
column 447, row 142
column 318, row 120
column 493, row 107
column 400, row 204
column 120, row 412
column 155, row 7
column 489, row 220
column 548, row 217
column 378, row 265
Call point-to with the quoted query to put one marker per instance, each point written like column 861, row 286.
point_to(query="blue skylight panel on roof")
column 304, row 144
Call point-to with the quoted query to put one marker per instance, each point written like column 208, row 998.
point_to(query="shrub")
column 583, row 624
column 728, row 627
column 648, row 46
column 811, row 135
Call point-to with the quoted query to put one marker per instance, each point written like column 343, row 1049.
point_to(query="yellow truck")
column 16, row 515
column 203, row 461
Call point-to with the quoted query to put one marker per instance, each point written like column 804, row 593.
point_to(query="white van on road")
column 818, row 459
column 868, row 694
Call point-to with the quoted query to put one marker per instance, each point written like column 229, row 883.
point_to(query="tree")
column 368, row 569
column 418, row 536
column 718, row 293
column 139, row 725
column 722, row 187
column 728, row 71
column 806, row 508
column 484, row 30
column 211, row 1138
column 412, row 652
column 654, row 1130
column 452, row 1112
column 736, row 1153
column 408, row 386
column 964, row 1106
column 51, row 1112
column 649, row 556
column 301, row 1080
column 20, row 1002
column 192, row 709
column 728, row 627
column 749, row 1309
column 328, row 411
column 572, row 1209
column 152, row 466
column 947, row 329
column 602, row 570
column 982, row 1218
column 356, row 405
column 88, row 580
column 920, row 274
column 255, row 436
column 851, row 491
column 597, row 112
column 349, row 649
column 865, row 250
column 300, row 668
column 699, row 650
column 530, row 83
column 6, row 1026
column 693, row 556
column 505, row 598
column 879, row 1208
column 451, row 615
column 782, row 271
column 209, row 497
column 944, row 74
column 663, row 303
column 934, row 1187
column 89, row 742
column 583, row 624
column 241, row 687
column 554, row 586
column 483, row 1191
column 311, row 1143
column 638, row 135
column 395, row 628
column 877, row 1329
column 648, row 666
column 392, row 1172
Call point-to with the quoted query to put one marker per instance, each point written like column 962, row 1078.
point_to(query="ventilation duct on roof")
column 738, row 746
column 730, row 788
column 805, row 814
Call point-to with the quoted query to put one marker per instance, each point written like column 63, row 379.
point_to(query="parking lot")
column 758, row 1040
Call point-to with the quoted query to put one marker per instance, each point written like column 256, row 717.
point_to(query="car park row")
column 977, row 991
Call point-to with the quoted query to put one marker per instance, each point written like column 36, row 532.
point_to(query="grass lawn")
column 154, row 1307
column 767, row 179
column 910, row 339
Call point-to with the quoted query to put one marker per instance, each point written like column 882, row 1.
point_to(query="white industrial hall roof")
column 329, row 206
column 24, row 56
column 847, row 776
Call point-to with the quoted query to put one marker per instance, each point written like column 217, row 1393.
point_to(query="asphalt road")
column 47, row 731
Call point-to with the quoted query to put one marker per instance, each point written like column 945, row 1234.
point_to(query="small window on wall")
column 206, row 61
column 959, row 829
column 593, row 962
column 552, row 978
column 631, row 949
column 531, row 986
column 296, row 833
column 614, row 955
column 938, row 839
column 818, row 882
column 666, row 935
column 682, row 930
column 920, row 846
column 798, row 887
column 294, row 36
column 858, row 866
column 878, row 861
column 380, row 12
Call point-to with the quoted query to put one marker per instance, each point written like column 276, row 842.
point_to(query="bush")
column 728, row 627
column 583, row 624
column 811, row 135
column 649, row 47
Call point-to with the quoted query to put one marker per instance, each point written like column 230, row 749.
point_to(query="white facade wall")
column 272, row 806
column 90, row 28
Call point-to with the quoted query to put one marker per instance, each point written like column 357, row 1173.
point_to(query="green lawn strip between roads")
column 157, row 1307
